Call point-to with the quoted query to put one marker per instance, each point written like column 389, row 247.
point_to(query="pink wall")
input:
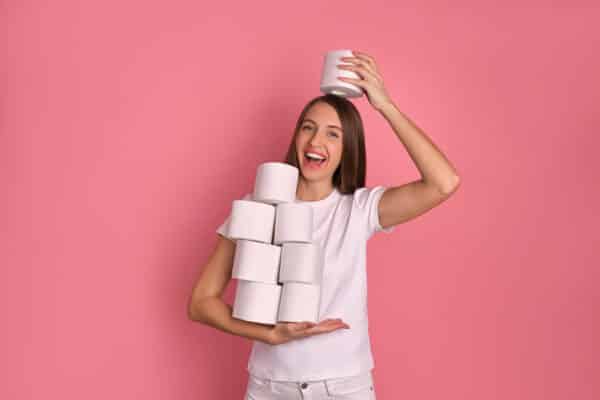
column 127, row 128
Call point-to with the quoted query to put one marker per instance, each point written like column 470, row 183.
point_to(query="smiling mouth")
column 314, row 162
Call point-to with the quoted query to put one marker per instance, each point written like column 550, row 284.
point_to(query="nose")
column 315, row 139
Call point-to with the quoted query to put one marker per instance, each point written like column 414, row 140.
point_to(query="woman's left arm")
column 436, row 171
column 439, row 179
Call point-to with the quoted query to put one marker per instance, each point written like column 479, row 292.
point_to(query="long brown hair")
column 350, row 174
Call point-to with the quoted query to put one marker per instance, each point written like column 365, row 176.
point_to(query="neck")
column 313, row 191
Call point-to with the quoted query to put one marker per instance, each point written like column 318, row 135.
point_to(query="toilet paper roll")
column 293, row 223
column 223, row 229
column 275, row 183
column 252, row 220
column 301, row 262
column 299, row 302
column 330, row 73
column 254, row 261
column 256, row 302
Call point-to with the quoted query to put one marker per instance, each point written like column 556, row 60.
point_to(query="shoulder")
column 367, row 196
column 365, row 205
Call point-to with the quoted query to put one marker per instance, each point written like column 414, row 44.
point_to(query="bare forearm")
column 429, row 160
column 215, row 312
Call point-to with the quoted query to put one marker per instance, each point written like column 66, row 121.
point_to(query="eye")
column 334, row 134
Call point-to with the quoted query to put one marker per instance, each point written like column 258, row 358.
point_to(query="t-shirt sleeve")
column 223, row 229
column 365, row 204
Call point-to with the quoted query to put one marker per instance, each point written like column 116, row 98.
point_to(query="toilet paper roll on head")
column 330, row 84
column 275, row 183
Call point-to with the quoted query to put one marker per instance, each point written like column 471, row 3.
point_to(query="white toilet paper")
column 275, row 183
column 301, row 262
column 254, row 261
column 329, row 81
column 252, row 220
column 293, row 223
column 256, row 302
column 299, row 302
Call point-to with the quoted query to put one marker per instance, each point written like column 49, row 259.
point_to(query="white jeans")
column 347, row 388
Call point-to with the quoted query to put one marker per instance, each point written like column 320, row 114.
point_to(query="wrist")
column 270, row 337
column 386, row 106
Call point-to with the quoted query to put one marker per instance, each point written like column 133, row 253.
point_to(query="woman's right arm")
column 207, row 307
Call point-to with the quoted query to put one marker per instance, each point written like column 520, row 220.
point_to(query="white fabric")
column 342, row 225
column 359, row 387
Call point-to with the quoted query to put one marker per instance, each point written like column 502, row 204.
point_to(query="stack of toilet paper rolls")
column 277, row 265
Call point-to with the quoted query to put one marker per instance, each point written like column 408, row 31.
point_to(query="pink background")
column 127, row 128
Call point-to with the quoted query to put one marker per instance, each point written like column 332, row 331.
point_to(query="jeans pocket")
column 359, row 387
column 256, row 383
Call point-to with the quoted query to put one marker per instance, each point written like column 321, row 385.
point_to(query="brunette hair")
column 350, row 174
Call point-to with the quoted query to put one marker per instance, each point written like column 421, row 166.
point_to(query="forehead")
column 323, row 114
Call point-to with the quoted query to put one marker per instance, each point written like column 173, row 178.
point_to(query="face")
column 321, row 134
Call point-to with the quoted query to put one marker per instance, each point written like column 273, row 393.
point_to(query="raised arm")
column 438, row 180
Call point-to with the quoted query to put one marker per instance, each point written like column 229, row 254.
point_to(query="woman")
column 331, row 359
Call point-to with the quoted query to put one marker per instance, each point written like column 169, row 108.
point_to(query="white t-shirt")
column 342, row 225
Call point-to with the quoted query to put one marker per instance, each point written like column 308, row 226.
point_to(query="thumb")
column 305, row 325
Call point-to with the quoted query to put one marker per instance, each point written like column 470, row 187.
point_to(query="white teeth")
column 313, row 155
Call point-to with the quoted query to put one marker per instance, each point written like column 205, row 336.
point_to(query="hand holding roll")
column 370, row 79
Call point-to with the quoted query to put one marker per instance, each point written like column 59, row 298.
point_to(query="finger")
column 360, row 62
column 364, row 56
column 300, row 326
column 329, row 320
column 323, row 329
column 323, row 326
column 362, row 59
column 363, row 73
column 336, row 324
column 311, row 330
column 329, row 323
column 331, row 326
column 358, row 82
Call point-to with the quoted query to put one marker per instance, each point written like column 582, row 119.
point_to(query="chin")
column 315, row 176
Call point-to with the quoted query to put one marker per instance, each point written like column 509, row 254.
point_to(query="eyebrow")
column 331, row 126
